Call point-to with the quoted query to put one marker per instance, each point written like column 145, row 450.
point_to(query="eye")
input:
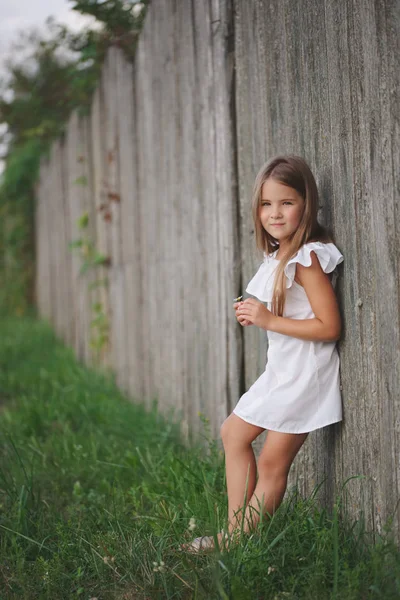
column 265, row 203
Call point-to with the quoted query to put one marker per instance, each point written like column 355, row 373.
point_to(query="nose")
column 276, row 213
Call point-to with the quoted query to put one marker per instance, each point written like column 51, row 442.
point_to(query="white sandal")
column 204, row 543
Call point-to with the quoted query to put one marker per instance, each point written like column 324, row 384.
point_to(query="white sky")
column 22, row 15
column 19, row 15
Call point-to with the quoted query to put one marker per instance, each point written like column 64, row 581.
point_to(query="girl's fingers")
column 242, row 314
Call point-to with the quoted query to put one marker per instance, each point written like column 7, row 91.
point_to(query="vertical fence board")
column 102, row 215
column 148, row 186
column 169, row 154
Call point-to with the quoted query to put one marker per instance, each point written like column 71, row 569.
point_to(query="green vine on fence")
column 90, row 256
column 57, row 74
column 91, row 259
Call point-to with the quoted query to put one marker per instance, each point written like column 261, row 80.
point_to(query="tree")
column 122, row 19
column 57, row 74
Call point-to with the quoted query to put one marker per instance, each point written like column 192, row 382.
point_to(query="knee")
column 225, row 432
column 230, row 435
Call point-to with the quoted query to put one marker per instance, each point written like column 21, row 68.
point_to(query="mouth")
column 277, row 224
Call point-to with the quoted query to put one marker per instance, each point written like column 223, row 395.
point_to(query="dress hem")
column 280, row 430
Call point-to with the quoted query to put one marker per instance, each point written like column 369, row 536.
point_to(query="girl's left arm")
column 326, row 326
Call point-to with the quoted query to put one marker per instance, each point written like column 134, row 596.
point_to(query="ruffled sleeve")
column 262, row 284
column 328, row 255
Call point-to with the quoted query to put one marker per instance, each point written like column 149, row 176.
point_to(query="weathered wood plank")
column 170, row 152
column 101, row 228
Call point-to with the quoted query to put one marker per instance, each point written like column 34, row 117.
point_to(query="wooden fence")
column 164, row 167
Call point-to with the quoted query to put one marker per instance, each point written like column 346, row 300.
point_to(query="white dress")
column 299, row 391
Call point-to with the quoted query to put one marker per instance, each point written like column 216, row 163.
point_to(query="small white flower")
column 270, row 569
column 192, row 524
column 159, row 566
column 77, row 489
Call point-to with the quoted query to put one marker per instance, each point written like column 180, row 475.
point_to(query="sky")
column 19, row 15
column 22, row 15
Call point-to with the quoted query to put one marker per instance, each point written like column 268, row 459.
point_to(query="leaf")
column 83, row 221
column 75, row 244
column 82, row 180
column 100, row 259
column 85, row 267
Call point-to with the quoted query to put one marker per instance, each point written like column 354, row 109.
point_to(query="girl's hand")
column 244, row 322
column 255, row 313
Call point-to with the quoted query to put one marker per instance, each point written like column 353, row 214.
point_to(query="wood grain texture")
column 170, row 152
column 327, row 85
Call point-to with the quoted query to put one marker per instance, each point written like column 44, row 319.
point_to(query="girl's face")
column 281, row 209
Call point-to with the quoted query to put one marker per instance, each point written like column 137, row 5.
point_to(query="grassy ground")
column 96, row 494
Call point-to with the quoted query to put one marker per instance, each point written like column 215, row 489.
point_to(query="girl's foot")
column 206, row 543
column 201, row 544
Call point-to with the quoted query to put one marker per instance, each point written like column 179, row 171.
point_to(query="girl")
column 299, row 390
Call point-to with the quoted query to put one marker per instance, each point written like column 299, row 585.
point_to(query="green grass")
column 94, row 490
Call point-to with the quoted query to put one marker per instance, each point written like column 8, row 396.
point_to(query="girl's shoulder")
column 328, row 254
column 262, row 284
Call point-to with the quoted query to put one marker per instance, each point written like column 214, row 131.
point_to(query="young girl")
column 299, row 390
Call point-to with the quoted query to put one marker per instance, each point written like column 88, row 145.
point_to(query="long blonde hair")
column 294, row 172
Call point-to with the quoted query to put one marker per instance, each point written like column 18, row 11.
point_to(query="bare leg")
column 240, row 464
column 241, row 469
column 274, row 464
